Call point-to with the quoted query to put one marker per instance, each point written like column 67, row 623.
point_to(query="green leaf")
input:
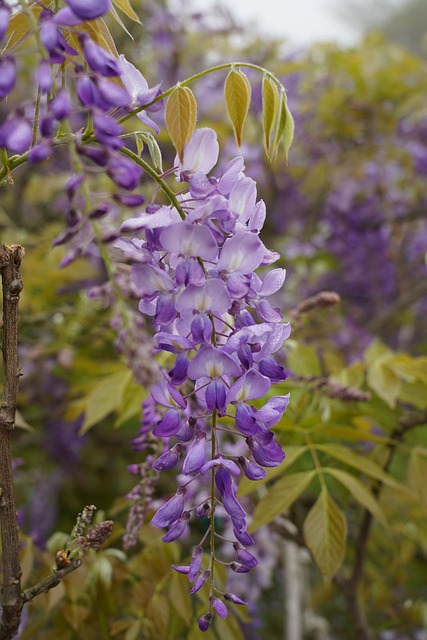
column 120, row 22
column 181, row 117
column 125, row 6
column 384, row 381
column 105, row 398
column 99, row 32
column 302, row 359
column 359, row 492
column 361, row 463
column 288, row 129
column 237, row 93
column 19, row 28
column 153, row 149
column 271, row 103
column 417, row 473
column 280, row 497
column 325, row 532
column 179, row 596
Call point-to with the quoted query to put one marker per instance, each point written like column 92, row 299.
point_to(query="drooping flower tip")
column 234, row 599
column 205, row 621
column 219, row 607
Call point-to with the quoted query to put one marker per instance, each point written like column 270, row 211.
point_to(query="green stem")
column 197, row 76
column 212, row 516
column 36, row 118
column 153, row 174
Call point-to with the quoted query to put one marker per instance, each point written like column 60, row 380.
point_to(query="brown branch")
column 50, row 582
column 10, row 260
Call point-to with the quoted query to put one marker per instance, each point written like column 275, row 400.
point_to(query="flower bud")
column 98, row 59
column 7, row 75
column 89, row 9
column 4, row 19
column 205, row 621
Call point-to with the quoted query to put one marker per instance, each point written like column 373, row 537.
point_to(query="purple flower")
column 243, row 252
column 196, row 455
column 107, row 130
column 39, row 153
column 249, row 386
column 220, row 461
column 60, row 106
column 89, row 9
column 178, row 528
column 205, row 621
column 16, row 134
column 219, row 607
column 245, row 419
column 98, row 59
column 195, row 564
column 44, row 76
column 169, row 425
column 215, row 395
column 112, row 94
column 190, row 241
column 212, row 295
column 136, row 84
column 4, row 19
column 171, row 510
column 251, row 470
column 204, row 576
column 234, row 599
column 213, row 363
column 124, row 173
column 265, row 449
column 200, row 153
column 168, row 459
column 244, row 557
column 7, row 75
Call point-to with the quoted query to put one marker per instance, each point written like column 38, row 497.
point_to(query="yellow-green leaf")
column 359, row 492
column 325, row 531
column 125, row 6
column 280, row 497
column 384, row 381
column 179, row 596
column 180, row 118
column 237, row 93
column 100, row 33
column 361, row 463
column 271, row 102
column 287, row 122
column 19, row 28
column 105, row 398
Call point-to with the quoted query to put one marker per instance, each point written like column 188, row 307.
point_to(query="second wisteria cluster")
column 194, row 270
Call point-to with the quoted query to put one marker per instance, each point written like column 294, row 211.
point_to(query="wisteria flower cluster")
column 81, row 100
column 195, row 274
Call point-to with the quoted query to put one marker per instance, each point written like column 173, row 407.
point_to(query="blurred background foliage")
column 348, row 215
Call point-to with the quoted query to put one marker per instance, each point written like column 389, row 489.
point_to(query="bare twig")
column 50, row 582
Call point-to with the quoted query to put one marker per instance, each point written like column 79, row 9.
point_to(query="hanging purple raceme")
column 195, row 273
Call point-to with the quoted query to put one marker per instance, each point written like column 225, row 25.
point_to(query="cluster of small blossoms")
column 77, row 101
column 194, row 271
